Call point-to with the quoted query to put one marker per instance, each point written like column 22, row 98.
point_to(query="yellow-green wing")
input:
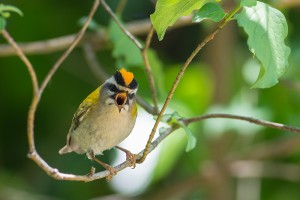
column 84, row 108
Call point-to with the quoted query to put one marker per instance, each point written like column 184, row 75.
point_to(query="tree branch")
column 248, row 119
column 38, row 91
column 179, row 76
column 149, row 71
column 151, row 145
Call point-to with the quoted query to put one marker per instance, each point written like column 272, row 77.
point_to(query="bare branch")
column 149, row 71
column 91, row 58
column 248, row 119
column 179, row 76
column 36, row 97
column 122, row 27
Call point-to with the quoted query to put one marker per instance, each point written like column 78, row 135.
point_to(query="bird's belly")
column 98, row 136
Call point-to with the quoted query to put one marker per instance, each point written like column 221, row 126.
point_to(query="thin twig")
column 179, row 76
column 248, row 119
column 20, row 53
column 148, row 69
column 122, row 27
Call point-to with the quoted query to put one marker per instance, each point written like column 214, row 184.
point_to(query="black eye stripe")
column 113, row 88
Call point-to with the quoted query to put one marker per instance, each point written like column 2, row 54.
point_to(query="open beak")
column 120, row 100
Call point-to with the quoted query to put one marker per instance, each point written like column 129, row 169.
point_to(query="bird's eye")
column 131, row 95
column 113, row 88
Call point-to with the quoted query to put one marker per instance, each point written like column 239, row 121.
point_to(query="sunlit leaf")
column 167, row 12
column 212, row 11
column 267, row 29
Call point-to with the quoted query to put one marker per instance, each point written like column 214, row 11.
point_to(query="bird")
column 104, row 119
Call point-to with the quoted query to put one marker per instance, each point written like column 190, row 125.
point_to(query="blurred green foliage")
column 176, row 171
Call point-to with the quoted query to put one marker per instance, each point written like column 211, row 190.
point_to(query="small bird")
column 104, row 119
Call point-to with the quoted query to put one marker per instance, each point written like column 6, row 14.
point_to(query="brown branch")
column 36, row 97
column 178, row 78
column 119, row 23
column 150, row 145
column 248, row 119
column 149, row 71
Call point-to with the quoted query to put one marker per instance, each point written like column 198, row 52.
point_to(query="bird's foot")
column 129, row 156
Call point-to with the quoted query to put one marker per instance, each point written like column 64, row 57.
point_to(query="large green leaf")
column 167, row 12
column 125, row 51
column 267, row 29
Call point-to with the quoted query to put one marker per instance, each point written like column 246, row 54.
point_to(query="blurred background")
column 232, row 159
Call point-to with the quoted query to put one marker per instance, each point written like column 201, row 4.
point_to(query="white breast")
column 104, row 129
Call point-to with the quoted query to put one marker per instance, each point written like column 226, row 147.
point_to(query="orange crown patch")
column 127, row 76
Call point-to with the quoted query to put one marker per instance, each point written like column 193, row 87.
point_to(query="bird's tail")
column 65, row 149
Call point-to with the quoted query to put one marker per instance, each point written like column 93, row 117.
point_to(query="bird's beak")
column 120, row 100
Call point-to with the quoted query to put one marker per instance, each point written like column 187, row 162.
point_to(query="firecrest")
column 104, row 119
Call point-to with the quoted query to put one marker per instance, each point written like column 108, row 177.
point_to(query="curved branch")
column 148, row 69
column 36, row 97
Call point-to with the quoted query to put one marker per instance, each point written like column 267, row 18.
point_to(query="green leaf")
column 167, row 12
column 2, row 23
column 174, row 119
column 9, row 8
column 125, row 51
column 211, row 11
column 267, row 29
column 248, row 3
column 191, row 138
